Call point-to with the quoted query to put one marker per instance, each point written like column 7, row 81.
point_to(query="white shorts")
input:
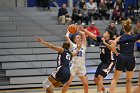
column 80, row 70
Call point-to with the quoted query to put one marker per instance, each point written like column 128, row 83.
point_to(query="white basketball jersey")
column 80, row 58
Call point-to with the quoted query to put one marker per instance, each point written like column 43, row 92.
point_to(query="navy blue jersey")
column 64, row 58
column 126, row 48
column 130, row 39
column 105, row 54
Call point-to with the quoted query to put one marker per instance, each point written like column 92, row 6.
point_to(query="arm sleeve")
column 133, row 39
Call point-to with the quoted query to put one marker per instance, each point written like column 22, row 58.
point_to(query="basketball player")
column 78, row 63
column 106, row 56
column 62, row 73
column 125, row 58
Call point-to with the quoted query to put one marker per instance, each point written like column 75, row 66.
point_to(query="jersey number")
column 68, row 56
column 79, row 54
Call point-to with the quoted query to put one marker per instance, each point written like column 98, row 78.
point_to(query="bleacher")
column 25, row 63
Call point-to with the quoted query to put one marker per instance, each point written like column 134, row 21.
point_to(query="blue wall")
column 31, row 3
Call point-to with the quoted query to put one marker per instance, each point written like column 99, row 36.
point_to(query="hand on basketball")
column 39, row 39
column 72, row 28
column 80, row 28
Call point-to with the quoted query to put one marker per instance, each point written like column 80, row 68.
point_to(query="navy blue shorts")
column 104, row 69
column 125, row 61
column 62, row 74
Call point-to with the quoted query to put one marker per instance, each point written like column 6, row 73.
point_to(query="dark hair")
column 112, row 22
column 75, row 5
column 110, row 33
column 66, row 45
column 127, row 25
column 73, row 37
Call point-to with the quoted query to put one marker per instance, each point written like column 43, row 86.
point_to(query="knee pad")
column 46, row 84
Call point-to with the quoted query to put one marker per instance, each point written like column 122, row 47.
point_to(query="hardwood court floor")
column 79, row 89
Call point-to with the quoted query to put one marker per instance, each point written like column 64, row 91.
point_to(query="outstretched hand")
column 112, row 42
column 80, row 28
column 39, row 39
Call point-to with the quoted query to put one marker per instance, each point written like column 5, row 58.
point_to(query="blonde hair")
column 127, row 24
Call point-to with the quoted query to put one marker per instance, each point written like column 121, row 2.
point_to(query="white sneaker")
column 92, row 45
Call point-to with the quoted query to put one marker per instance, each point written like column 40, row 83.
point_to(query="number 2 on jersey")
column 68, row 56
column 79, row 54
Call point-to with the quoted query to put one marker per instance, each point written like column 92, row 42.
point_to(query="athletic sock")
column 105, row 92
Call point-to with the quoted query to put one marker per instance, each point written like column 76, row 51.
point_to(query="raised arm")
column 67, row 36
column 135, row 38
column 83, row 38
column 88, row 33
column 113, row 45
column 106, row 44
column 49, row 45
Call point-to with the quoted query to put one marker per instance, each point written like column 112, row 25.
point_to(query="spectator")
column 122, row 29
column 85, row 17
column 136, row 29
column 103, row 11
column 130, row 13
column 92, row 10
column 76, row 14
column 109, row 4
column 117, row 15
column 92, row 28
column 81, row 3
column 63, row 15
column 122, row 32
column 112, row 28
column 44, row 4
column 119, row 3
column 54, row 2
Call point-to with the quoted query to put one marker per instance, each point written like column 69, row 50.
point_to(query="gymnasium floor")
column 92, row 89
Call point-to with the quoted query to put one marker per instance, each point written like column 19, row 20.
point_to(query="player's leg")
column 67, row 84
column 97, row 73
column 116, row 76
column 85, row 83
column 82, row 75
column 100, row 83
column 120, row 64
column 49, row 90
column 48, row 83
column 129, row 75
column 129, row 72
column 73, row 71
column 96, row 80
column 137, row 88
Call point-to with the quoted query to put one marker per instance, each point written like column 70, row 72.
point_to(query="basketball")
column 72, row 28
